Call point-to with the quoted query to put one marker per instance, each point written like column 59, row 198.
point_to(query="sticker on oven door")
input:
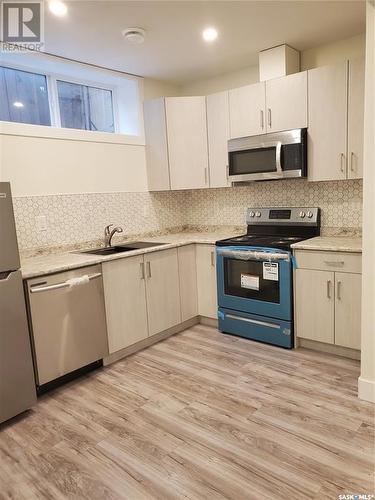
column 271, row 271
column 250, row 281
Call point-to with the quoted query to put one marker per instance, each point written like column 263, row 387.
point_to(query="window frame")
column 26, row 69
column 87, row 83
column 28, row 129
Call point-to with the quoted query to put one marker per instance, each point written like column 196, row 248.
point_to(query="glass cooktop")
column 269, row 241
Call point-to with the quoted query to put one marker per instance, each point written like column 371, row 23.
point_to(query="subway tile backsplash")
column 79, row 218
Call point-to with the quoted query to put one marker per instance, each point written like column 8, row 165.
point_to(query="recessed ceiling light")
column 209, row 34
column 134, row 35
column 18, row 104
column 57, row 7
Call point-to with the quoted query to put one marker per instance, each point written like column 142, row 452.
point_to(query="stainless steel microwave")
column 269, row 156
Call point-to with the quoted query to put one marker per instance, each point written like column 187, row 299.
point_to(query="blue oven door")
column 255, row 280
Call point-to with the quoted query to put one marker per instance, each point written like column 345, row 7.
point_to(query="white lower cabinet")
column 328, row 302
column 348, row 310
column 315, row 305
column 187, row 268
column 125, row 302
column 206, row 281
column 142, row 297
column 162, row 290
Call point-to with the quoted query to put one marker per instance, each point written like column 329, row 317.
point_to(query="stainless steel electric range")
column 255, row 274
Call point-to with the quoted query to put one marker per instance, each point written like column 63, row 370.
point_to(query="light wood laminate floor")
column 201, row 415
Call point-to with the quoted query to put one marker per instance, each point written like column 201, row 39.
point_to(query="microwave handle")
column 278, row 157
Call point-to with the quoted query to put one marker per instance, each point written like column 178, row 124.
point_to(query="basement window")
column 73, row 100
column 24, row 97
column 86, row 108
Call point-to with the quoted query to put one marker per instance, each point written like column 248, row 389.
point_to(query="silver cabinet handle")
column 148, row 264
column 334, row 262
column 213, row 259
column 329, row 282
column 65, row 284
column 342, row 162
column 351, row 161
column 262, row 119
column 206, row 176
column 142, row 268
column 269, row 117
column 339, row 290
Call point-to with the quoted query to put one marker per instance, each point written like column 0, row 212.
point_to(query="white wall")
column 332, row 52
column 158, row 88
column 317, row 56
column 222, row 82
column 366, row 383
column 39, row 166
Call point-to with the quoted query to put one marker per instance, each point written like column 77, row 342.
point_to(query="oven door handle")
column 253, row 321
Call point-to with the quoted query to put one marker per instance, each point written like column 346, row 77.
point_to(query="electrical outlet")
column 41, row 223
column 146, row 211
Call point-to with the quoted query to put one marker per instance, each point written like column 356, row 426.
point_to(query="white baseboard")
column 366, row 389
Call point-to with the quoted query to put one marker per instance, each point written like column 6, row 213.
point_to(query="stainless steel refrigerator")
column 17, row 382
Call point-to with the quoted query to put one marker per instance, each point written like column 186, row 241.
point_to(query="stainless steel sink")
column 137, row 245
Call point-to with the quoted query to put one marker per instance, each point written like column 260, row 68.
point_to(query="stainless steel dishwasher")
column 67, row 316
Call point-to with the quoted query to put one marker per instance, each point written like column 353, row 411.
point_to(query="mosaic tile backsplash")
column 77, row 218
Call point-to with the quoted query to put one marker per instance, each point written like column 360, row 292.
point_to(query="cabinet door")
column 286, row 101
column 188, row 281
column 156, row 145
column 187, row 142
column 218, row 135
column 315, row 305
column 125, row 302
column 247, row 110
column 356, row 103
column 348, row 310
column 327, row 108
column 162, row 290
column 206, row 281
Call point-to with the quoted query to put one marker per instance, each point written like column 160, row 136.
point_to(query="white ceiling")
column 174, row 49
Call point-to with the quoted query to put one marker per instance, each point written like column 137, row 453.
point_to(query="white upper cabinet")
column 286, row 100
column 187, row 142
column 156, row 145
column 327, row 108
column 176, row 143
column 218, row 135
column 356, row 98
column 247, row 110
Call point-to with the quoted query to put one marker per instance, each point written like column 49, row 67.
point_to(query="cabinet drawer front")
column 329, row 261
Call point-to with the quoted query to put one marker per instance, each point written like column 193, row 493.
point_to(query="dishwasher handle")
column 57, row 286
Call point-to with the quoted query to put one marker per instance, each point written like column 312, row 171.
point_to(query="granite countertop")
column 331, row 244
column 48, row 263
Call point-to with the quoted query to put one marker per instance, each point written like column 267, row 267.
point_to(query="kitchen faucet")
column 108, row 234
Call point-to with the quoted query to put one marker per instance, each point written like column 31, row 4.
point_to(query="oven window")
column 252, row 161
column 239, row 275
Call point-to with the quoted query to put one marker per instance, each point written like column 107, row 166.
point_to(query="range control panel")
column 306, row 216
